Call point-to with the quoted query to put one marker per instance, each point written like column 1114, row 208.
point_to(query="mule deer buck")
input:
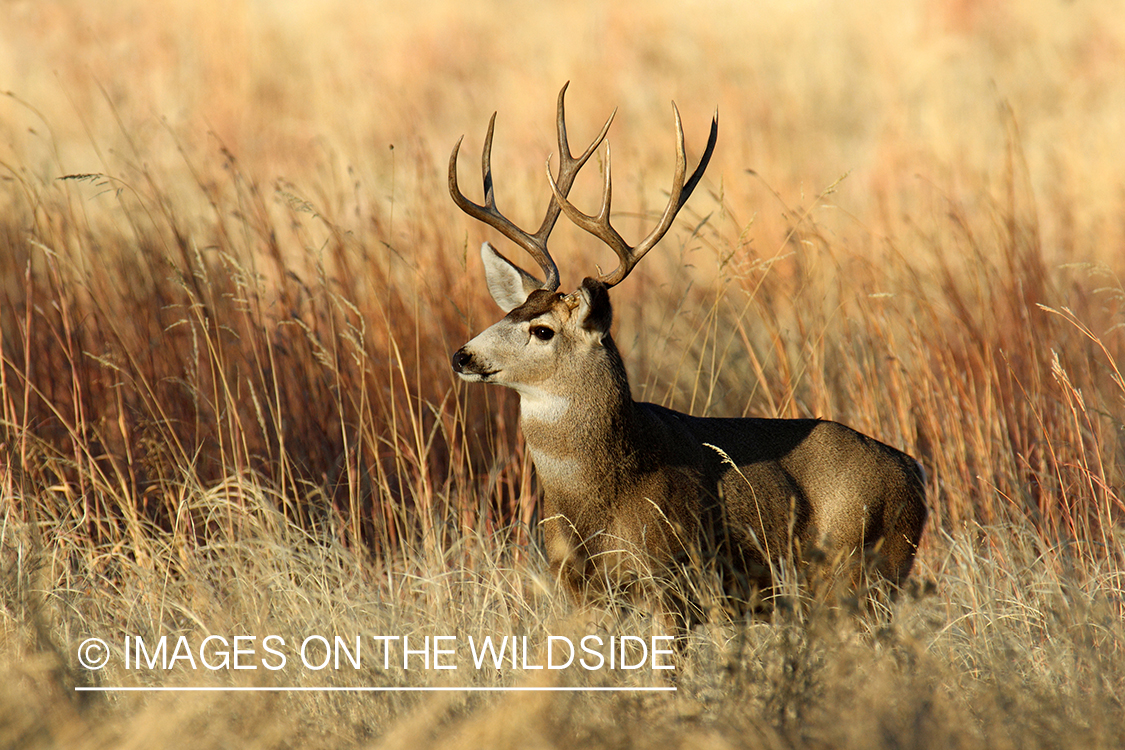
column 634, row 492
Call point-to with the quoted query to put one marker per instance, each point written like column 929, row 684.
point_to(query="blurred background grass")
column 231, row 279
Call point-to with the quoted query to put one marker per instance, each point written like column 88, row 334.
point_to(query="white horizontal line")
column 421, row 689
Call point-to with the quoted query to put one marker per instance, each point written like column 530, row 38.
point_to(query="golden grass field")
column 231, row 279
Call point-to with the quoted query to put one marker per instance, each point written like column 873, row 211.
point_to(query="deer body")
column 633, row 491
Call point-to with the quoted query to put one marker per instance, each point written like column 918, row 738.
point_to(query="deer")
column 633, row 494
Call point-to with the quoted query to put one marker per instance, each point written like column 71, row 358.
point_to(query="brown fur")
column 633, row 491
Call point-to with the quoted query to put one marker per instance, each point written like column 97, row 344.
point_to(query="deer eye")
column 543, row 333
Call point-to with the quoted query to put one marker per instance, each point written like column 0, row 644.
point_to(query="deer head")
column 548, row 337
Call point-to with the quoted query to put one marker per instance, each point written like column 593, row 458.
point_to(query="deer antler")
column 599, row 225
column 534, row 244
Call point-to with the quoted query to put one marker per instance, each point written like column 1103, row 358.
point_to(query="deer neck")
column 580, row 428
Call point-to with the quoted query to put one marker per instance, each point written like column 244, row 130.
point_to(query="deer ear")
column 595, row 313
column 508, row 284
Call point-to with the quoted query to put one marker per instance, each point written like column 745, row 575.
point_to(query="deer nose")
column 461, row 360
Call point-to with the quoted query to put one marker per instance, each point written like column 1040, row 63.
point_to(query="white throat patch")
column 555, row 469
column 541, row 406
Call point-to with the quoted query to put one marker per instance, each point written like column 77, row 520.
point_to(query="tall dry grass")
column 230, row 280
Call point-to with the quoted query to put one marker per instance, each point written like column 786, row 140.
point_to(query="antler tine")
column 569, row 165
column 600, row 226
column 534, row 244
